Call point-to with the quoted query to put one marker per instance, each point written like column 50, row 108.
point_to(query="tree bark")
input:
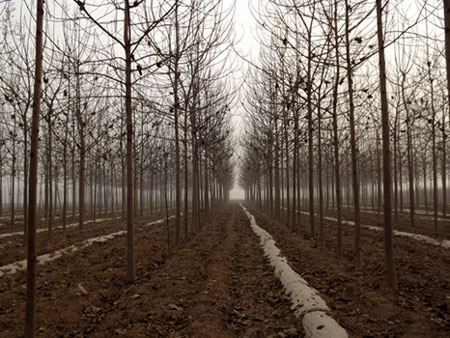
column 447, row 44
column 30, row 321
column 355, row 178
column 387, row 184
column 177, row 136
column 337, row 169
column 130, row 161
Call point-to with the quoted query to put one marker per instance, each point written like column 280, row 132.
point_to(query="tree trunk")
column 186, row 181
column 387, row 184
column 13, row 177
column 310, row 139
column 177, row 137
column 337, row 169
column 409, row 154
column 81, row 125
column 444, row 169
column 355, row 178
column 30, row 321
column 130, row 161
column 319, row 174
column 25, row 178
column 50, row 172
column 1, row 183
column 447, row 46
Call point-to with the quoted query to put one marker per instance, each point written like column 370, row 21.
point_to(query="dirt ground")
column 361, row 300
column 424, row 224
column 217, row 284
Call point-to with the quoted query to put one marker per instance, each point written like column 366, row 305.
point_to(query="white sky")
column 248, row 46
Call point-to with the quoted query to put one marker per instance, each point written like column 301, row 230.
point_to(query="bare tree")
column 32, row 202
column 389, row 249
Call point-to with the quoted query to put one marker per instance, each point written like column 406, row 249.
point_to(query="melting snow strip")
column 19, row 233
column 12, row 268
column 159, row 221
column 22, row 265
column 418, row 237
column 420, row 213
column 306, row 301
column 422, row 238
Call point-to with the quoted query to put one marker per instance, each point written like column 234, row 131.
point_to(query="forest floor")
column 362, row 302
column 218, row 283
column 423, row 224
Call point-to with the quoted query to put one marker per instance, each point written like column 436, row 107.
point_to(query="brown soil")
column 215, row 285
column 424, row 224
column 218, row 283
column 361, row 300
column 13, row 248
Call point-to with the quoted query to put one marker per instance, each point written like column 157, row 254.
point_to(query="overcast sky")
column 247, row 46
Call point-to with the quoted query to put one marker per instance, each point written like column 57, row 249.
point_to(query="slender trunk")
column 395, row 168
column 195, row 216
column 186, row 182
column 206, row 185
column 30, row 321
column 141, row 172
column 64, row 211
column 74, row 185
column 177, row 137
column 447, row 47
column 123, row 172
column 444, row 169
column 355, row 178
column 271, row 178
column 130, row 161
column 425, row 188
column 286, row 141
column 46, row 193
column 380, row 178
column 337, row 169
column 25, row 178
column 409, row 153
column 81, row 125
column 166, row 206
column 50, row 172
column 310, row 139
column 294, row 173
column 277, row 168
column 435, row 188
column 389, row 248
column 13, row 178
column 400, row 168
column 319, row 174
column 1, row 183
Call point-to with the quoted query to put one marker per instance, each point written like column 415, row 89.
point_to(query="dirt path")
column 260, row 305
column 216, row 285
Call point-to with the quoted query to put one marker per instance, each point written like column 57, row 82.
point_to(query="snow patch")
column 159, row 221
column 58, row 227
column 22, row 265
column 12, row 268
column 12, row 234
column 418, row 237
column 306, row 301
column 318, row 324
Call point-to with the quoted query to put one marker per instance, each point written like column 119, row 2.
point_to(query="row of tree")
column 330, row 124
column 83, row 128
column 129, row 106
